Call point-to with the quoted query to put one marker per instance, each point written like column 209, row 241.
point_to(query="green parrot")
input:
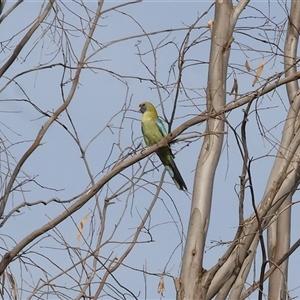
column 153, row 130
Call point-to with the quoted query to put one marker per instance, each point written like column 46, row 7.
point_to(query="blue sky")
column 98, row 102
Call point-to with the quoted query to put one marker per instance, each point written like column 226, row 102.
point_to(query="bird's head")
column 147, row 107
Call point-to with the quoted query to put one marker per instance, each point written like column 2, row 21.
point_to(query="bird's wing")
column 161, row 127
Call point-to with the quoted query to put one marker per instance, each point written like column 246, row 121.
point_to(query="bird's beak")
column 142, row 109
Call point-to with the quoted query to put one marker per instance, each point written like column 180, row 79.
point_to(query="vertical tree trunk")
column 193, row 282
column 279, row 230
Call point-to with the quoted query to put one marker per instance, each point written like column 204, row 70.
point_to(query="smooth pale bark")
column 279, row 231
column 283, row 180
column 229, row 275
column 193, row 282
column 239, row 284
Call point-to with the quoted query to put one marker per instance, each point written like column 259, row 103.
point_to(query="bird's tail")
column 176, row 176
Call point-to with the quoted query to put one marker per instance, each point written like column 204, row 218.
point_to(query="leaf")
column 210, row 24
column 161, row 286
column 258, row 72
column 80, row 227
column 247, row 66
column 235, row 88
column 13, row 285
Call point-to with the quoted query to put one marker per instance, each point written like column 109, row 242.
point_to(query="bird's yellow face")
column 149, row 108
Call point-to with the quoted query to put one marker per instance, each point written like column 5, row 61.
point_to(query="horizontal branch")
column 9, row 256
